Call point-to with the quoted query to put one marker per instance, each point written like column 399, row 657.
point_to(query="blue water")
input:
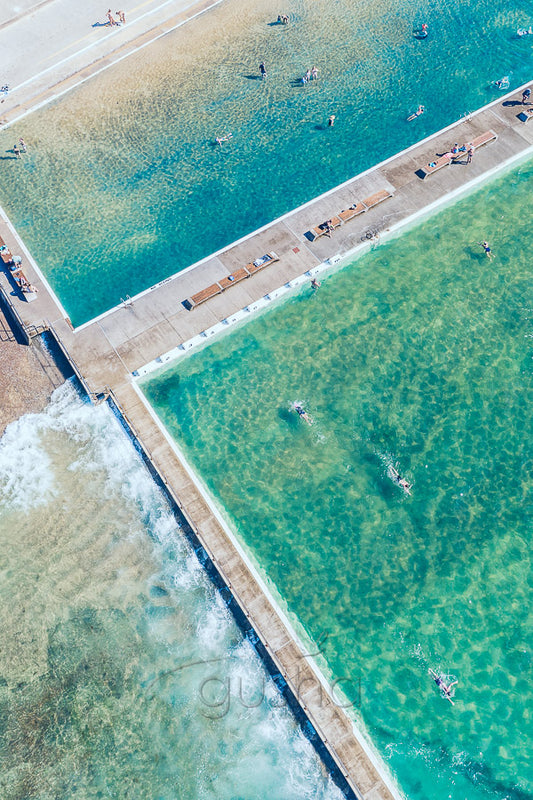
column 123, row 184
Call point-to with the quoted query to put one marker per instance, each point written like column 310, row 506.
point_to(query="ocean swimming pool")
column 123, row 185
column 419, row 354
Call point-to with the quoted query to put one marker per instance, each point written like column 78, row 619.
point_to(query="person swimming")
column 302, row 413
column 487, row 248
column 396, row 478
column 446, row 689
column 225, row 138
column 419, row 111
column 502, row 83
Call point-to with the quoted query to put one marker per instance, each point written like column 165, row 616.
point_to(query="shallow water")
column 418, row 354
column 123, row 185
column 122, row 674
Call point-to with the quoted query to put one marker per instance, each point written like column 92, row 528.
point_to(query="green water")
column 122, row 673
column 123, row 185
column 419, row 354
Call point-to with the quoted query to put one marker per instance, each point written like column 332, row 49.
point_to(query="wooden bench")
column 353, row 211
column 377, row 198
column 29, row 292
column 205, row 294
column 224, row 283
column 235, row 277
column 447, row 158
column 439, row 163
column 485, row 138
column 6, row 256
column 325, row 228
column 261, row 263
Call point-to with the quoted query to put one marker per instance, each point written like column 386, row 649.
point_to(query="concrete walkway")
column 49, row 47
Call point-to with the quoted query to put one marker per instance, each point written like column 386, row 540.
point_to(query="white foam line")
column 333, row 263
column 114, row 61
column 33, row 263
column 361, row 736
column 296, row 210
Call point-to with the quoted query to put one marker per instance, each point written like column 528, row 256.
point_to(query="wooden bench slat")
column 235, row 277
column 376, row 198
column 255, row 267
column 322, row 229
column 485, row 138
column 353, row 211
column 205, row 294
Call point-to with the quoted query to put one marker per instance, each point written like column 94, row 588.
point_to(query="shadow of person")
column 286, row 416
column 511, row 103
column 252, row 77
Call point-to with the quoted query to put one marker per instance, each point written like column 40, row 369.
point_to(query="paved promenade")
column 49, row 47
column 108, row 350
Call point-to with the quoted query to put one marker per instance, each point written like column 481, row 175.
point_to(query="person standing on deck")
column 526, row 94
column 121, row 17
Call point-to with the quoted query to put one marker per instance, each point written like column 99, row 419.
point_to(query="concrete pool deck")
column 109, row 349
column 48, row 48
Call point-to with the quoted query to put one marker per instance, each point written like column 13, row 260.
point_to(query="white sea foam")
column 274, row 750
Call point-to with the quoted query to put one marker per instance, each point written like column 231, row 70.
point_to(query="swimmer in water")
column 487, row 249
column 225, row 138
column 502, row 83
column 419, row 111
column 315, row 284
column 446, row 689
column 395, row 476
column 302, row 413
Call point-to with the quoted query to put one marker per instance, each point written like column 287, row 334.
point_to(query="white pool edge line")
column 308, row 203
column 113, row 61
column 363, row 739
column 32, row 261
column 326, row 266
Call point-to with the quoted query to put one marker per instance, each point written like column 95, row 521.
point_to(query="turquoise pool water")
column 418, row 354
column 122, row 674
column 123, row 185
